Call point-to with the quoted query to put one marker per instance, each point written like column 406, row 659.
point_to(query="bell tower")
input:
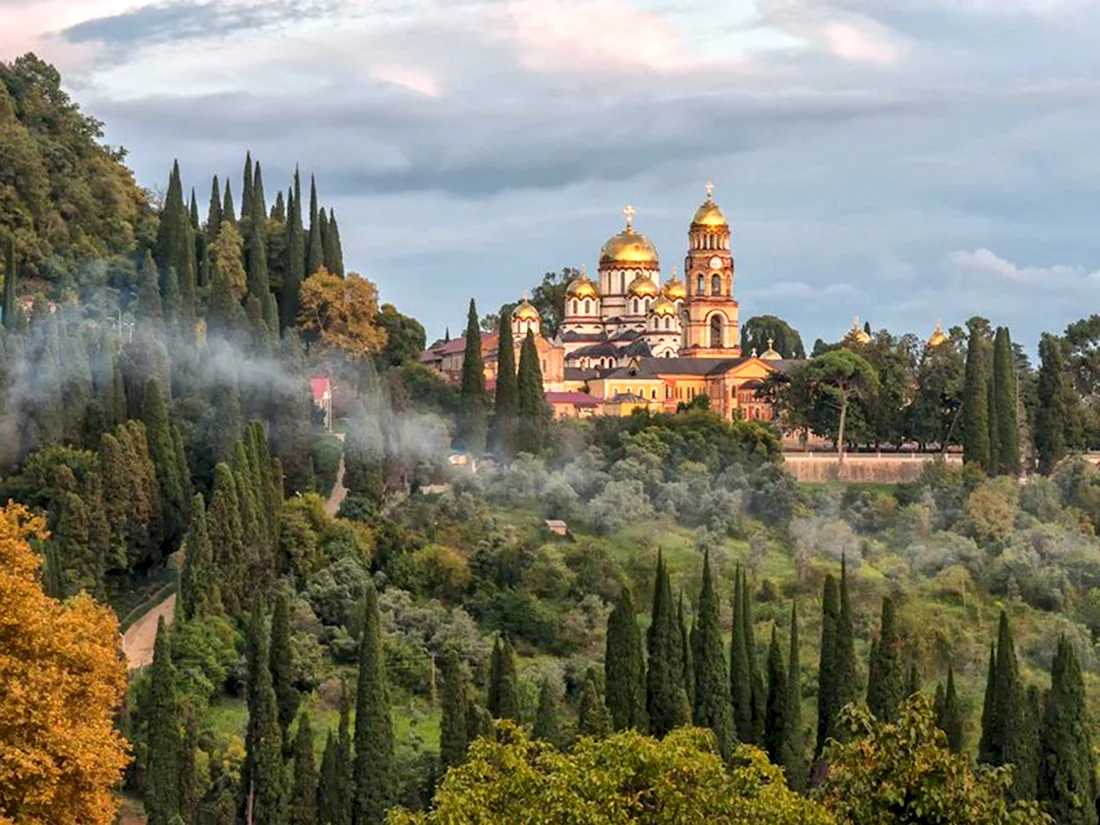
column 710, row 315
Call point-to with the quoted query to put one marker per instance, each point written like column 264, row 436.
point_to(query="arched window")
column 587, row 307
column 700, row 288
column 647, row 302
column 635, row 306
column 653, row 393
column 668, row 322
column 716, row 285
column 716, row 331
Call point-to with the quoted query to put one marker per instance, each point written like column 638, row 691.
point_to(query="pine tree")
column 503, row 700
column 282, row 671
column 506, row 403
column 546, row 715
column 712, row 698
column 592, row 716
column 975, row 411
column 302, row 809
column 796, row 765
column 262, row 775
column 949, row 719
column 453, row 725
column 374, row 760
column 666, row 700
column 1004, row 390
column 315, row 253
column 295, row 257
column 776, row 723
column 199, row 591
column 624, row 666
column 1067, row 779
column 162, row 785
column 826, row 673
column 534, row 415
column 886, row 685
column 472, row 423
column 740, row 671
column 10, row 276
column 1052, row 427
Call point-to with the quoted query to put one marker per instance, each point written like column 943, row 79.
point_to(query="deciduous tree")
column 338, row 315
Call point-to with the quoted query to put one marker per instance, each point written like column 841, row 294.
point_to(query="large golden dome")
column 938, row 336
column 628, row 247
column 709, row 214
column 525, row 312
column 643, row 287
column 582, row 288
column 663, row 306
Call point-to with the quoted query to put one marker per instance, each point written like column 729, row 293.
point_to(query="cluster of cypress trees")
column 1055, row 424
column 990, row 414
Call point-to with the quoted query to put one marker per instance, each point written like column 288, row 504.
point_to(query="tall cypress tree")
column 374, row 761
column 282, row 672
column 329, row 810
column 505, row 423
column 975, row 412
column 776, row 723
column 666, row 700
column 1052, row 416
column 472, row 423
column 9, row 313
column 259, row 282
column 295, row 257
column 740, row 672
column 247, row 179
column 713, row 708
column 534, row 414
column 796, row 765
column 1005, row 739
column 687, row 658
column 326, row 251
column 503, row 699
column 199, row 591
column 826, row 671
column 337, row 264
column 259, row 202
column 988, row 750
column 302, row 809
column 229, row 214
column 453, row 725
column 162, row 450
column 315, row 253
column 188, row 776
column 214, row 212
column 227, row 537
column 886, row 684
column 624, row 666
column 1004, row 390
column 592, row 716
column 756, row 678
column 262, row 777
column 949, row 716
column 546, row 725
column 1067, row 779
column 846, row 690
column 162, row 781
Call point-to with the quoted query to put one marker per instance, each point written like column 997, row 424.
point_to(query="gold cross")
column 582, row 270
column 710, row 189
column 629, row 212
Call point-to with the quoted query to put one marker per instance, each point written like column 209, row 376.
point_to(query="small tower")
column 710, row 316
column 525, row 317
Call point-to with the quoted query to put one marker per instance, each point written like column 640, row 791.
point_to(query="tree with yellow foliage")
column 61, row 680
column 339, row 314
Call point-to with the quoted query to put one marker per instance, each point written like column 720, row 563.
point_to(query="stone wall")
column 872, row 468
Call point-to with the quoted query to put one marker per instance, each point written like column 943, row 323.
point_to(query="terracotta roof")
column 576, row 398
column 457, row 345
column 319, row 386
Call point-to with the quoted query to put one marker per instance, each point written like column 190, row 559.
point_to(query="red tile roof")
column 320, row 386
column 575, row 397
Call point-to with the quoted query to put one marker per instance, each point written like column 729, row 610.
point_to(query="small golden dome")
column 582, row 288
column 857, row 334
column 628, row 246
column 525, row 312
column 675, row 289
column 643, row 287
column 938, row 336
column 663, row 306
column 709, row 214
column 770, row 354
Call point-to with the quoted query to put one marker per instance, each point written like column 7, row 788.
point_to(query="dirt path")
column 339, row 491
column 138, row 641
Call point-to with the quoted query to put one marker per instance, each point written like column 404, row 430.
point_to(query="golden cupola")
column 770, row 353
column 675, row 289
column 938, row 336
column 525, row 311
column 629, row 248
column 709, row 215
column 663, row 307
column 643, row 287
column 857, row 334
column 581, row 287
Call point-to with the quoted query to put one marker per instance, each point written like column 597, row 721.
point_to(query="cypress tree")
column 326, row 240
column 329, row 811
column 227, row 536
column 337, row 264
column 315, row 253
column 687, row 658
column 1052, row 415
column 199, row 592
column 303, row 808
column 624, row 666
column 987, row 748
column 154, row 413
column 282, row 673
column 592, row 717
column 259, row 202
column 453, row 725
column 776, row 723
column 150, row 309
column 975, row 412
column 374, row 761
column 262, row 776
column 913, row 686
column 503, row 700
column 826, row 672
column 247, row 179
column 886, row 686
column 666, row 700
column 162, row 780
column 1004, row 388
column 9, row 313
column 506, row 402
column 756, row 679
column 534, row 415
column 259, row 282
column 796, row 765
column 295, row 257
column 847, row 679
column 471, row 422
column 344, row 787
column 713, row 708
column 546, row 715
column 950, row 717
column 740, row 673
column 189, row 784
column 1005, row 738
column 1067, row 779
column 229, row 215
column 214, row 212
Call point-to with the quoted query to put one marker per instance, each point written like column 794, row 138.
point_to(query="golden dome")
column 525, row 312
column 675, row 289
column 857, row 334
column 709, row 214
column 643, row 287
column 663, row 306
column 628, row 246
column 938, row 336
column 581, row 287
column 770, row 354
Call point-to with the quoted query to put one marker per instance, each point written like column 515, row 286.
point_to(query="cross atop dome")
column 710, row 190
column 629, row 211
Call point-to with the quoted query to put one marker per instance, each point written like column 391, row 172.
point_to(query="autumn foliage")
column 61, row 681
column 339, row 314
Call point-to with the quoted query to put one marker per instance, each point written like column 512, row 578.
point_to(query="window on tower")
column 700, row 287
column 716, row 331
column 716, row 285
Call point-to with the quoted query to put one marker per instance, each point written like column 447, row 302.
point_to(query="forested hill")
column 68, row 197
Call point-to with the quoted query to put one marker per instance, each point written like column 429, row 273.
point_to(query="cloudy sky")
column 899, row 160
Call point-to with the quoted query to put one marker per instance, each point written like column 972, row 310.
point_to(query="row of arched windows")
column 709, row 241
